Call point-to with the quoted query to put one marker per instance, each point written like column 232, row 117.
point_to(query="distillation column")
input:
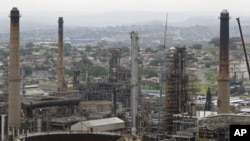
column 223, row 76
column 14, row 102
column 60, row 69
column 134, row 77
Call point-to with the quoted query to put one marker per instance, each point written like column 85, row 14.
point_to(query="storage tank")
column 78, row 136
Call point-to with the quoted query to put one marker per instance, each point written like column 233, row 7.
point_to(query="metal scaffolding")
column 114, row 64
column 217, row 127
column 176, row 81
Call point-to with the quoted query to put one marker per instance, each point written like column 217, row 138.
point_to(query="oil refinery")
column 117, row 108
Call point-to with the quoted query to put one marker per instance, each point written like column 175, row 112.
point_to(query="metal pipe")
column 50, row 103
column 3, row 127
column 86, row 65
column 243, row 44
column 114, row 100
column 23, row 80
column 39, row 125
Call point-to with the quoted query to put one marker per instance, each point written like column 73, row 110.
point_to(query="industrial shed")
column 106, row 124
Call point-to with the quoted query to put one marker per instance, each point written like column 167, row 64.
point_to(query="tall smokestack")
column 223, row 77
column 14, row 103
column 134, row 77
column 60, row 69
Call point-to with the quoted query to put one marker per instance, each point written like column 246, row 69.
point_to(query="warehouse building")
column 107, row 124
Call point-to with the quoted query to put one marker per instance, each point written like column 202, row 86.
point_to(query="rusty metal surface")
column 217, row 127
column 176, row 87
column 61, row 85
column 223, row 76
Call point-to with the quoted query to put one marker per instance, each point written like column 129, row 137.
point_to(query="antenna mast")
column 162, row 65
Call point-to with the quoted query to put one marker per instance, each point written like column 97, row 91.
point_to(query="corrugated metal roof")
column 100, row 122
column 34, row 91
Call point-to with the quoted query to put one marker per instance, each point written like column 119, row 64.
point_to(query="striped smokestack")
column 14, row 101
column 223, row 76
column 60, row 69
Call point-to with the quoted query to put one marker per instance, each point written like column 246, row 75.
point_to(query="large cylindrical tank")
column 78, row 136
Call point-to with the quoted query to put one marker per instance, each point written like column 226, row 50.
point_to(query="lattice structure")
column 116, row 72
column 104, row 89
column 176, row 87
column 114, row 63
column 217, row 127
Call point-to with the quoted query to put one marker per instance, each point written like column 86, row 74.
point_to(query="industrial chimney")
column 223, row 76
column 14, row 101
column 60, row 69
column 134, row 77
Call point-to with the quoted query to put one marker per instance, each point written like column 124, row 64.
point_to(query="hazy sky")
column 90, row 6
column 75, row 12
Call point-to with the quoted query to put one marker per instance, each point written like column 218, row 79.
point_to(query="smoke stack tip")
column 224, row 11
column 14, row 9
column 60, row 20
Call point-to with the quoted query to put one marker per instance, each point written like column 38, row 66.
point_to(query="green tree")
column 125, row 50
column 41, row 67
column 208, row 105
column 215, row 41
column 30, row 45
column 88, row 49
column 148, row 73
column 237, row 90
column 148, row 50
column 28, row 70
column 140, row 61
column 68, row 72
column 101, row 52
column 196, row 46
column 67, row 49
column 26, row 51
column 160, row 48
column 4, row 53
column 207, row 65
column 232, row 41
column 155, row 62
column 150, row 85
column 98, row 71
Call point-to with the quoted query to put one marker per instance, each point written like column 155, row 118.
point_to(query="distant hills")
column 183, row 26
column 115, row 18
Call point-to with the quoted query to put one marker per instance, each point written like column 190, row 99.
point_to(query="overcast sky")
column 75, row 12
column 90, row 6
